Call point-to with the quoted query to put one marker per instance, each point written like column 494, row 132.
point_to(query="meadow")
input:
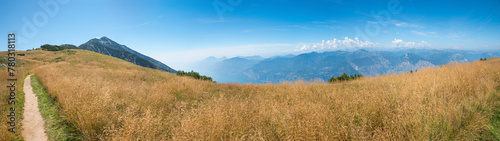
column 105, row 98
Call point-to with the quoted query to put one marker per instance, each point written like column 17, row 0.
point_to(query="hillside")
column 109, row 47
column 324, row 65
column 106, row 98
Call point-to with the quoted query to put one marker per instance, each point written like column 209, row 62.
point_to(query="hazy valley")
column 322, row 66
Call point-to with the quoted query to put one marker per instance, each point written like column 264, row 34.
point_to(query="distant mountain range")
column 109, row 47
column 308, row 66
column 322, row 66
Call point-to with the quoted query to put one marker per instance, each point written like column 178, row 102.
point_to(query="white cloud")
column 404, row 24
column 401, row 43
column 396, row 23
column 424, row 33
column 299, row 26
column 346, row 43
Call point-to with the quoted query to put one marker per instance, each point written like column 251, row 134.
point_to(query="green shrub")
column 345, row 77
column 195, row 75
column 48, row 47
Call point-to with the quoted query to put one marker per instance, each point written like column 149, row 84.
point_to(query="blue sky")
column 178, row 32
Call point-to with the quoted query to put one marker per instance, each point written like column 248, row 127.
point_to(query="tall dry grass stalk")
column 109, row 99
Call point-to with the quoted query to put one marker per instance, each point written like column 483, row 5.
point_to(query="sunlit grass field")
column 105, row 98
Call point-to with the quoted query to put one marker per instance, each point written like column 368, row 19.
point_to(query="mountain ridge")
column 109, row 47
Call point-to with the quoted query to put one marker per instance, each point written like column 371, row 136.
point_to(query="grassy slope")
column 110, row 99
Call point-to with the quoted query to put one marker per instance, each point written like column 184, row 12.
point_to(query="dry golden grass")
column 4, row 107
column 22, row 68
column 109, row 99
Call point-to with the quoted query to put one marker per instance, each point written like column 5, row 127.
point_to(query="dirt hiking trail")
column 33, row 129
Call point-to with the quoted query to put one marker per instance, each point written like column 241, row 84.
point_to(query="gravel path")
column 33, row 121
